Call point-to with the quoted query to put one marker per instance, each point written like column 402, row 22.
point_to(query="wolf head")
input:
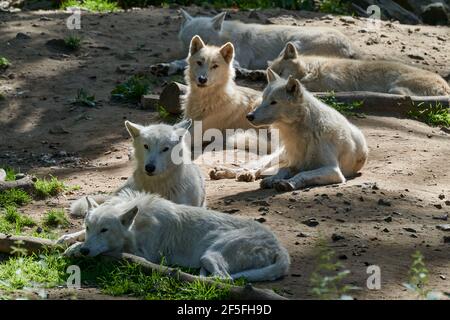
column 156, row 146
column 282, row 101
column 289, row 63
column 209, row 66
column 209, row 28
column 106, row 228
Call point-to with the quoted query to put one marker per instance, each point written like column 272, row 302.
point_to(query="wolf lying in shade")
column 154, row 228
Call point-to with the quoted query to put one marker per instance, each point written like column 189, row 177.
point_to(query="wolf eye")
column 165, row 149
column 199, row 63
column 146, row 146
column 273, row 102
column 215, row 66
column 103, row 230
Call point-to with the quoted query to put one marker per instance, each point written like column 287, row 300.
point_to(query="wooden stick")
column 37, row 245
column 26, row 183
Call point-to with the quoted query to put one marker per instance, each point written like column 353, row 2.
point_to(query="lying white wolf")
column 337, row 74
column 321, row 145
column 155, row 229
column 155, row 170
column 256, row 43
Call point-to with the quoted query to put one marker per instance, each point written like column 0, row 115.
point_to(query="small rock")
column 231, row 211
column 22, row 36
column 386, row 230
column 302, row 235
column 58, row 129
column 312, row 222
column 446, row 239
column 438, row 206
column 443, row 227
column 388, row 219
column 443, row 217
column 384, row 202
column 336, row 237
column 261, row 220
column 2, row 175
column 263, row 203
column 342, row 257
column 410, row 230
column 441, row 196
column 416, row 57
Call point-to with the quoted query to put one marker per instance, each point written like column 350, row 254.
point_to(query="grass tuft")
column 131, row 90
column 45, row 188
column 434, row 115
column 92, row 5
column 83, row 98
column 10, row 173
column 73, row 42
column 14, row 197
column 4, row 63
column 347, row 109
column 55, row 218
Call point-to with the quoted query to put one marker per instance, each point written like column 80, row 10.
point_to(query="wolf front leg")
column 72, row 238
column 167, row 69
column 322, row 176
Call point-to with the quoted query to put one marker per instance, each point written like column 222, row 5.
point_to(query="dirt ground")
column 400, row 187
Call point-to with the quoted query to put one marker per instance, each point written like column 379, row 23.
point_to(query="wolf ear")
column 290, row 51
column 133, row 129
column 294, row 87
column 227, row 52
column 272, row 75
column 186, row 16
column 127, row 218
column 217, row 21
column 196, row 44
column 92, row 204
column 185, row 124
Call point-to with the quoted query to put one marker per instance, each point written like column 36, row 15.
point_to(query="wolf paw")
column 283, row 186
column 218, row 173
column 74, row 250
column 266, row 183
column 66, row 239
column 160, row 69
column 245, row 176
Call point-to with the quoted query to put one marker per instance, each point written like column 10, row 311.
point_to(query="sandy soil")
column 41, row 133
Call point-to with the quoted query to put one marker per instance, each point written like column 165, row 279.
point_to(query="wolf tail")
column 79, row 208
column 272, row 272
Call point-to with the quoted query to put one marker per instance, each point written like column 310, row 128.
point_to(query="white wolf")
column 256, row 43
column 155, row 170
column 155, row 147
column 213, row 97
column 155, row 228
column 337, row 74
column 321, row 145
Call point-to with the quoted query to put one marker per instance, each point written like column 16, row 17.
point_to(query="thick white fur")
column 337, row 74
column 321, row 145
column 155, row 228
column 256, row 43
column 180, row 183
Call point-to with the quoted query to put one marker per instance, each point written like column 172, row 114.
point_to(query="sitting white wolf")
column 155, row 228
column 256, row 43
column 321, row 146
column 155, row 170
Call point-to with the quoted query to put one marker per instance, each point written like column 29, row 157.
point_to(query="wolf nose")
column 202, row 79
column 84, row 251
column 250, row 117
column 150, row 168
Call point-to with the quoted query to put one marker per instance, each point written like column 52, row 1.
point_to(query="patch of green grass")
column 334, row 7
column 418, row 276
column 14, row 197
column 83, row 98
column 131, row 90
column 347, row 109
column 92, row 5
column 10, row 173
column 73, row 42
column 4, row 63
column 11, row 221
column 434, row 115
column 112, row 277
column 45, row 188
column 55, row 218
column 329, row 275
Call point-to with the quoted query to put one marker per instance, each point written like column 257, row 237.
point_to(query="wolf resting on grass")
column 256, row 43
column 155, row 171
column 155, row 228
column 321, row 145
column 336, row 74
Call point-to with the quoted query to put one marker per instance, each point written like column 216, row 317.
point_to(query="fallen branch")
column 26, row 183
column 37, row 245
column 171, row 96
column 385, row 103
column 30, row 244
